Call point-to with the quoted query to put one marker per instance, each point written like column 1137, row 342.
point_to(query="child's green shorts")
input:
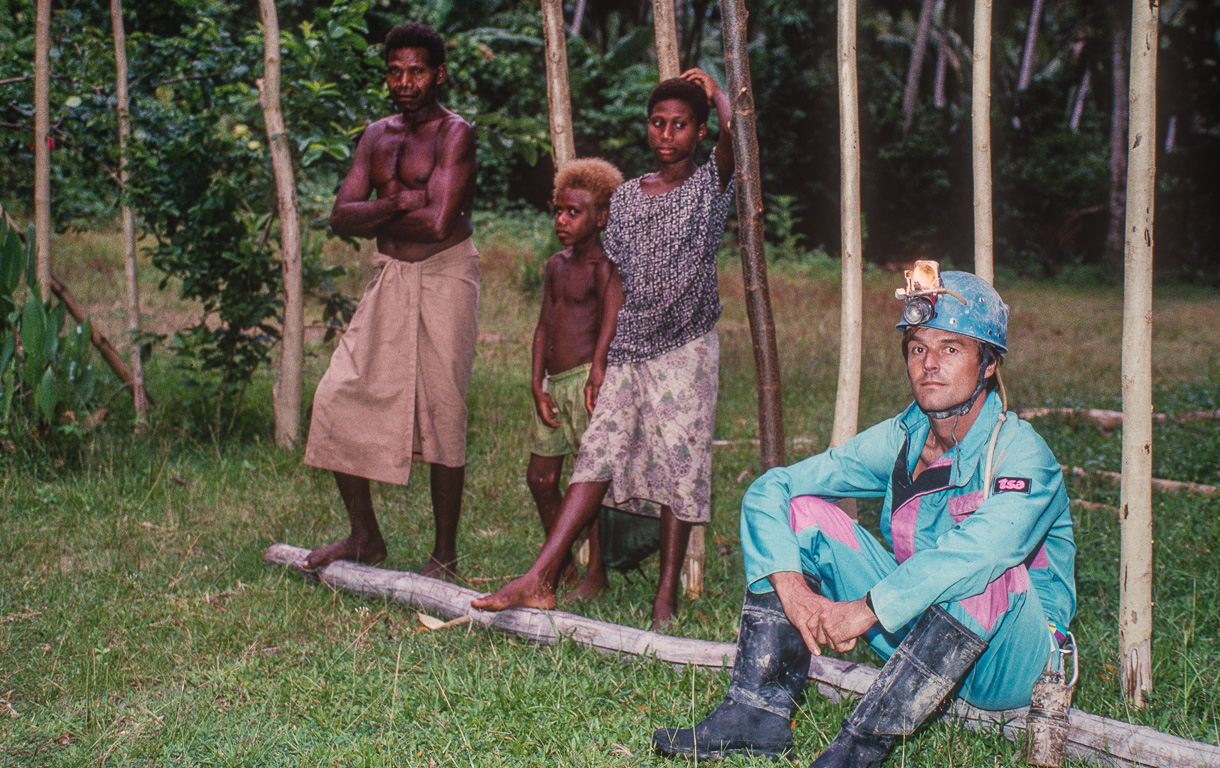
column 567, row 389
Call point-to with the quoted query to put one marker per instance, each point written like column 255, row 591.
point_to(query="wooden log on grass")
column 1172, row 486
column 1090, row 737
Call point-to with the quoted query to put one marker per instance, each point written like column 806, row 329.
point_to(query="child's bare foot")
column 527, row 591
column 437, row 569
column 663, row 613
column 359, row 550
column 570, row 575
column 592, row 585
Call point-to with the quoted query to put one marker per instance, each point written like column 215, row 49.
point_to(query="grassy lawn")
column 139, row 626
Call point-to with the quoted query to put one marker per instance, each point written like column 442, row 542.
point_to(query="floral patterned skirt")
column 651, row 433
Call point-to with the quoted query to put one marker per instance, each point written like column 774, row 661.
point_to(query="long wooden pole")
column 287, row 390
column 126, row 216
column 558, row 91
column 910, row 94
column 1135, row 586
column 851, row 325
column 750, row 234
column 980, row 76
column 666, row 26
column 42, row 148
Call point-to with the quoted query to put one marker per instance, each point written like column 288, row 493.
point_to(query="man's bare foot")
column 525, row 592
column 436, row 569
column 592, row 585
column 663, row 613
column 358, row 551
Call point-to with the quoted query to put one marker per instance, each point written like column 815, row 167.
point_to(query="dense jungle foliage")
column 204, row 179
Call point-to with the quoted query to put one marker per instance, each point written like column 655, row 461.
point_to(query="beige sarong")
column 396, row 386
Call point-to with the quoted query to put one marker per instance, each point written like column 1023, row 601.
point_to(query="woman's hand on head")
column 703, row 80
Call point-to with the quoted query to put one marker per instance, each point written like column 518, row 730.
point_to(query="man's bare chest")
column 406, row 160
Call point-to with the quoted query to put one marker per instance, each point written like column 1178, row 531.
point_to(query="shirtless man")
column 396, row 387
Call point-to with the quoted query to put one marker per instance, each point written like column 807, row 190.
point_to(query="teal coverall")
column 1002, row 565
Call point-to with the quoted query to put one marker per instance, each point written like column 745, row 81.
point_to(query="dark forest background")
column 203, row 170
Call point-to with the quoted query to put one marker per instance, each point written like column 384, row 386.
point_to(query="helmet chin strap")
column 962, row 408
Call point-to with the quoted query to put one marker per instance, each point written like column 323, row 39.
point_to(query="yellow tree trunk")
column 558, row 92
column 287, row 390
column 847, row 397
column 1135, row 586
column 667, row 38
column 126, row 216
column 42, row 150
column 980, row 76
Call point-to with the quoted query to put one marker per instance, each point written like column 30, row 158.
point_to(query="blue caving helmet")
column 983, row 316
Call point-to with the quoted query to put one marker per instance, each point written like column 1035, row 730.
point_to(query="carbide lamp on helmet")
column 958, row 302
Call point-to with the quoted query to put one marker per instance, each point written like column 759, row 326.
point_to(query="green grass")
column 139, row 626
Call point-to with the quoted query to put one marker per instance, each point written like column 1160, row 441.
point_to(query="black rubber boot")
column 926, row 666
column 768, row 675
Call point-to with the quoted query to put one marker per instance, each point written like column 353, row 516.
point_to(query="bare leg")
column 594, row 582
column 536, row 589
column 365, row 544
column 542, row 477
column 446, row 485
column 674, row 536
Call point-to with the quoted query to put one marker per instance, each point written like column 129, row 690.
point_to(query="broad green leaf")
column 55, row 324
column 47, row 396
column 31, row 261
column 12, row 259
column 8, row 349
column 33, row 332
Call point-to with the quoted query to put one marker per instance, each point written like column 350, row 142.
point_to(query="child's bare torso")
column 576, row 286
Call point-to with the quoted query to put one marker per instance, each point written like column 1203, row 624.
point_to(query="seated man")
column 979, row 587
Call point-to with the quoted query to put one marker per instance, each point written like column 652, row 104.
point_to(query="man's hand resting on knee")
column 821, row 621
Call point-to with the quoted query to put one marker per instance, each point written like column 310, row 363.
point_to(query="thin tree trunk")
column 578, row 17
column 911, row 94
column 980, row 76
column 667, row 38
column 942, row 71
column 750, row 234
column 287, row 390
column 42, row 149
column 558, row 93
column 847, row 398
column 126, row 215
column 1118, row 146
column 1135, row 585
column 667, row 60
column 1031, row 43
column 1086, row 83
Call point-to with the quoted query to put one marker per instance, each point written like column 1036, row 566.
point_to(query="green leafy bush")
column 46, row 383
